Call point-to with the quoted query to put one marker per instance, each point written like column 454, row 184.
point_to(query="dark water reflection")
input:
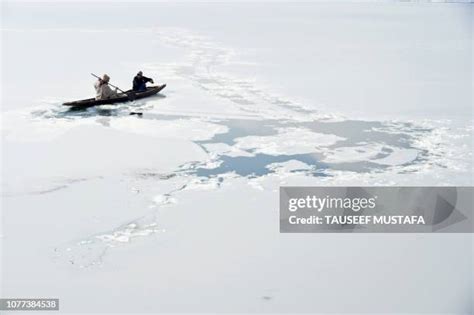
column 354, row 133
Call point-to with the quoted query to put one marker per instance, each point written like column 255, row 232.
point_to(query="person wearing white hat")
column 103, row 90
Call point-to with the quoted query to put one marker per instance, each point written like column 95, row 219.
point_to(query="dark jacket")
column 139, row 82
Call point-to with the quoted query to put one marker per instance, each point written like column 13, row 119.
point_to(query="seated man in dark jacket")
column 139, row 82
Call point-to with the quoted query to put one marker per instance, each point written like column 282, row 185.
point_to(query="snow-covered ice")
column 177, row 210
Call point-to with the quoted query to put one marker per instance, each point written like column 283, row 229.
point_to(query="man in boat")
column 139, row 82
column 103, row 90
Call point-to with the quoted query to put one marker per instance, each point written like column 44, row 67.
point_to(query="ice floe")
column 288, row 141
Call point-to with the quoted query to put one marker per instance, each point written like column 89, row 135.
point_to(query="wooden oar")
column 131, row 95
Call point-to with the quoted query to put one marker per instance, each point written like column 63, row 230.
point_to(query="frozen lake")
column 177, row 209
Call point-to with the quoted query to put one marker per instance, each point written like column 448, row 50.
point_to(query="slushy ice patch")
column 88, row 252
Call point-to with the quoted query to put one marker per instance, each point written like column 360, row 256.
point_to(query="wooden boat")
column 121, row 98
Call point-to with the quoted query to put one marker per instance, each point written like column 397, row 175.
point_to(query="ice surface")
column 180, row 205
